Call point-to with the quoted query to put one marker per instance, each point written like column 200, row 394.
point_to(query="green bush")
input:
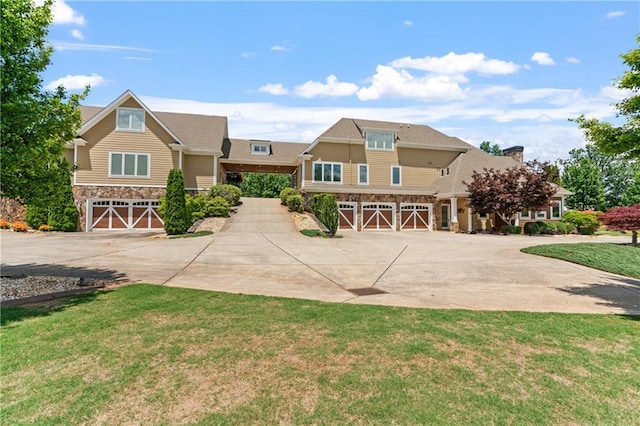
column 295, row 203
column 586, row 222
column 231, row 193
column 176, row 218
column 531, row 228
column 36, row 216
column 561, row 228
column 216, row 207
column 285, row 193
column 195, row 206
column 63, row 214
column 326, row 210
column 510, row 229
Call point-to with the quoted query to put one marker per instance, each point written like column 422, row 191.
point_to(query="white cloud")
column 63, row 13
column 453, row 63
column 407, row 23
column 62, row 46
column 615, row 14
column 280, row 48
column 77, row 34
column 136, row 58
column 389, row 82
column 332, row 88
column 247, row 55
column 572, row 60
column 274, row 89
column 542, row 58
column 75, row 82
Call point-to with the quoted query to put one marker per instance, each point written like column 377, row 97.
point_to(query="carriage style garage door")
column 348, row 215
column 415, row 216
column 123, row 214
column 379, row 216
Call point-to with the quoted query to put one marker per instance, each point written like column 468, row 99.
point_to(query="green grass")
column 156, row 355
column 192, row 235
column 615, row 258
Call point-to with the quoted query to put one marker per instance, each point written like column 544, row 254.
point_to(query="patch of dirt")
column 305, row 221
column 214, row 224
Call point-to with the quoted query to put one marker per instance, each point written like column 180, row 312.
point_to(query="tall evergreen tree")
column 176, row 218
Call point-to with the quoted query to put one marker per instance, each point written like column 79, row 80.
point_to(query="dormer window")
column 380, row 141
column 260, row 148
column 130, row 119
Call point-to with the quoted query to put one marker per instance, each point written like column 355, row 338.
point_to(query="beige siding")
column 334, row 153
column 380, row 163
column 93, row 159
column 198, row 171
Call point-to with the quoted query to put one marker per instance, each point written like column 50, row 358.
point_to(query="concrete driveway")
column 259, row 251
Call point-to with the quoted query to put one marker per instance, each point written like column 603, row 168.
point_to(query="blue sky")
column 512, row 73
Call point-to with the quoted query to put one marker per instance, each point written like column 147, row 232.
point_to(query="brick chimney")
column 515, row 152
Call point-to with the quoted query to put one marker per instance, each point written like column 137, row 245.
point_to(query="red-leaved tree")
column 623, row 219
column 506, row 192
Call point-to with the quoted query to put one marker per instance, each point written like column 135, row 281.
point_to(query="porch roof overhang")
column 257, row 166
column 365, row 189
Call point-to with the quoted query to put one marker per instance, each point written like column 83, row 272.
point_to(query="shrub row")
column 586, row 222
column 548, row 228
column 511, row 229
column 326, row 210
column 290, row 198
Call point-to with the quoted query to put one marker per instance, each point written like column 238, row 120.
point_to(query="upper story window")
column 363, row 174
column 260, row 148
column 130, row 119
column 379, row 140
column 128, row 164
column 396, row 175
column 327, row 172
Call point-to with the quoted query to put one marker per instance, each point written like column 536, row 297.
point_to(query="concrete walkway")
column 259, row 251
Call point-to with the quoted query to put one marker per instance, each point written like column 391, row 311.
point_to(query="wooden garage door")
column 348, row 215
column 379, row 216
column 124, row 214
column 415, row 216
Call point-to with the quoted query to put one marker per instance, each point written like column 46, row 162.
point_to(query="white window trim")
column 393, row 138
column 119, row 129
column 367, row 166
column 528, row 217
column 313, row 172
column 399, row 175
column 551, row 216
column 543, row 213
column 260, row 145
column 135, row 176
column 483, row 216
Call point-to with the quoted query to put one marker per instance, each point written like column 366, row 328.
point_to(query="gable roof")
column 196, row 132
column 411, row 134
column 280, row 152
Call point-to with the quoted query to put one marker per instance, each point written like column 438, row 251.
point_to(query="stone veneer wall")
column 11, row 210
column 82, row 193
column 383, row 198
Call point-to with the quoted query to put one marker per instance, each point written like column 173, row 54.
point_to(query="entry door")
column 445, row 218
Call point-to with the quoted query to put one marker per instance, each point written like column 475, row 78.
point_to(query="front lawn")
column 615, row 258
column 146, row 354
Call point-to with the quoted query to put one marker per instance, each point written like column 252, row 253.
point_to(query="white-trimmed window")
column 260, row 148
column 525, row 214
column 363, row 174
column 380, row 141
column 129, row 164
column 130, row 119
column 396, row 175
column 541, row 215
column 327, row 172
column 556, row 210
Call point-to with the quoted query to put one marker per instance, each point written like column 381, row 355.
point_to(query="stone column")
column 455, row 227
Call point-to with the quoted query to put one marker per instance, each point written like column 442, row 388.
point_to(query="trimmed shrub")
column 230, row 193
column 36, row 216
column 531, row 228
column 285, row 193
column 4, row 224
column 216, row 207
column 586, row 222
column 176, row 219
column 326, row 210
column 295, row 203
column 510, row 229
column 195, row 206
column 63, row 214
column 44, row 228
column 19, row 226
column 561, row 228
